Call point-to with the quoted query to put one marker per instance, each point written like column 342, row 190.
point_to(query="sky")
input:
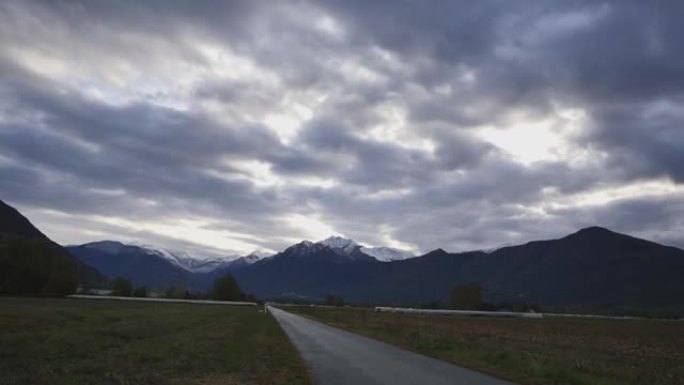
column 223, row 127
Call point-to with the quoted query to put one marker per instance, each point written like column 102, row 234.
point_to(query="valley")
column 592, row 270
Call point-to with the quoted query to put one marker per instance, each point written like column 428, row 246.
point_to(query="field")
column 70, row 341
column 529, row 351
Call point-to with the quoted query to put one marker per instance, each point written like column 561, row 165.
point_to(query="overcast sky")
column 229, row 126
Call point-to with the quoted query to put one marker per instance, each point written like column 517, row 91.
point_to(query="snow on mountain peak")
column 493, row 249
column 335, row 242
column 259, row 254
column 386, row 254
column 185, row 260
column 110, row 247
column 382, row 254
column 303, row 247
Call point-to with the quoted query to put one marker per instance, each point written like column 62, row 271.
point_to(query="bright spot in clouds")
column 546, row 139
column 309, row 227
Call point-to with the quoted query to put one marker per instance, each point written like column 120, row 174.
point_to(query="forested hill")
column 31, row 263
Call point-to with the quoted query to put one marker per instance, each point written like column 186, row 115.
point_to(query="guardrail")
column 465, row 313
column 167, row 300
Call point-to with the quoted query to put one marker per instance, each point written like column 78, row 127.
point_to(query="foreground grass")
column 69, row 341
column 529, row 351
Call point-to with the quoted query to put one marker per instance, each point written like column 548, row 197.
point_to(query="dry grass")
column 65, row 341
column 529, row 351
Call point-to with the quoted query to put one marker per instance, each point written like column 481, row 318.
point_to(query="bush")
column 332, row 300
column 178, row 292
column 140, row 292
column 122, row 287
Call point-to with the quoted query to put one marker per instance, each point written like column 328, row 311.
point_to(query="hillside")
column 142, row 266
column 30, row 263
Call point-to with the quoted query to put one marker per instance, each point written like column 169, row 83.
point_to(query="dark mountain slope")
column 593, row 267
column 30, row 263
column 12, row 222
column 142, row 266
column 308, row 270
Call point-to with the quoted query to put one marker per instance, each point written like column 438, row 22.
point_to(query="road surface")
column 339, row 357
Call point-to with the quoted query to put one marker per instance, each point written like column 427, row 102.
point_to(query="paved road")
column 339, row 357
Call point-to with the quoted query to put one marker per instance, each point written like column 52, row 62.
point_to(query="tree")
column 467, row 297
column 60, row 282
column 140, row 291
column 251, row 298
column 122, row 287
column 227, row 289
column 332, row 300
column 177, row 292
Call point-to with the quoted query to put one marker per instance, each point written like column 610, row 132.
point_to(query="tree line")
column 470, row 297
column 462, row 297
column 225, row 288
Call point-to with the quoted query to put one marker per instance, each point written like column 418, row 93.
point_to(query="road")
column 339, row 357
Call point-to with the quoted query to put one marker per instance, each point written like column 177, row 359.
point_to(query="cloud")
column 231, row 126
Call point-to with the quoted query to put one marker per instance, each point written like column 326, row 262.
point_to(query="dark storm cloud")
column 368, row 163
column 643, row 139
column 144, row 150
column 160, row 110
column 657, row 218
column 441, row 30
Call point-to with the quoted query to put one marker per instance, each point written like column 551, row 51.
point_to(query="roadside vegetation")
column 68, row 341
column 530, row 351
column 226, row 288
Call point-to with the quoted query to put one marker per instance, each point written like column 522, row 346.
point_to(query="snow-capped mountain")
column 143, row 266
column 335, row 242
column 249, row 259
column 387, row 254
column 349, row 246
column 303, row 248
column 142, row 261
column 258, row 254
column 193, row 264
column 181, row 259
column 109, row 247
column 311, row 271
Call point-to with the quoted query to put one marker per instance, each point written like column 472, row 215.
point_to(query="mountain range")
column 159, row 269
column 594, row 267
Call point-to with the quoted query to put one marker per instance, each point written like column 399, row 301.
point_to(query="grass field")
column 70, row 341
column 529, row 351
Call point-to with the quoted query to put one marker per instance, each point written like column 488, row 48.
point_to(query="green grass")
column 70, row 341
column 531, row 351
